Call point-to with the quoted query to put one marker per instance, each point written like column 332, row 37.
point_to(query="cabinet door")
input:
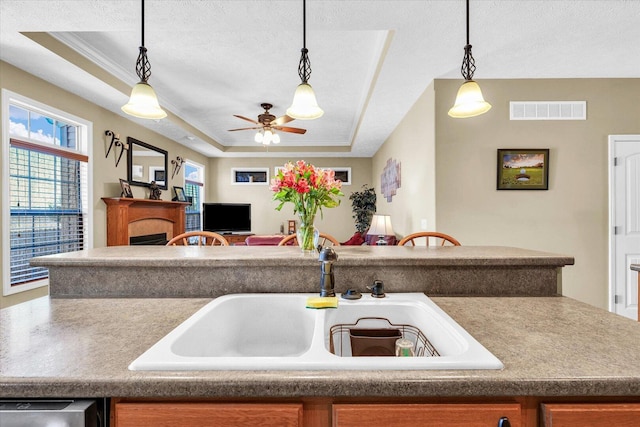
column 417, row 415
column 591, row 414
column 186, row 414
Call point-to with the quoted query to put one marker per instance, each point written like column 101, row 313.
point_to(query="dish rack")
column 376, row 336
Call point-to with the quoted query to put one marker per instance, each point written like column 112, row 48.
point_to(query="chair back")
column 438, row 239
column 292, row 239
column 199, row 238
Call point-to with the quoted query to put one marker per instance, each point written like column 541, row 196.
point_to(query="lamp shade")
column 469, row 102
column 304, row 106
column 143, row 103
column 381, row 226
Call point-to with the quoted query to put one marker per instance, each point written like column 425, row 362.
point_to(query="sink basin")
column 277, row 332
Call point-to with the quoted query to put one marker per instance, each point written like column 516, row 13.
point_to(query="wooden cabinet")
column 205, row 414
column 378, row 412
column 236, row 238
column 416, row 415
column 591, row 414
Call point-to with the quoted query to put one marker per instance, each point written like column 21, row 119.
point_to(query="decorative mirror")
column 146, row 163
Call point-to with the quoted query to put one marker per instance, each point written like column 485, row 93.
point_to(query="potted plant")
column 363, row 204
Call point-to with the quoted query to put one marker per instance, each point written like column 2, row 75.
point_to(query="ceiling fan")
column 266, row 125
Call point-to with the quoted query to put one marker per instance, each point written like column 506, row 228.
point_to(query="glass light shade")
column 268, row 137
column 469, row 102
column 143, row 103
column 258, row 137
column 304, row 106
column 276, row 138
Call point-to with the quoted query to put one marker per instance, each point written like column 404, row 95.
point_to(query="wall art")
column 523, row 169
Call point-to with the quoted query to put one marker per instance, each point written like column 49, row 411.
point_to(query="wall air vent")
column 548, row 110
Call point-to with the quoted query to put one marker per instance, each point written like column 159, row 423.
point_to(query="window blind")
column 192, row 191
column 47, row 206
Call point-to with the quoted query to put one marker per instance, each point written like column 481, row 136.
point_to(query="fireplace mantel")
column 128, row 217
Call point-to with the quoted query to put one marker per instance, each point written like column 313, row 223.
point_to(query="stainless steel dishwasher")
column 49, row 413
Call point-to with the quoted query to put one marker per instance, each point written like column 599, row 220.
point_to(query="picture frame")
column 250, row 176
column 126, row 189
column 523, row 169
column 343, row 174
column 180, row 196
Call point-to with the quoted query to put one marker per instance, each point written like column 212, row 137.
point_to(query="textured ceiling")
column 371, row 60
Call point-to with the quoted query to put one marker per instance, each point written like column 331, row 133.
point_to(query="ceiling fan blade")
column 282, row 120
column 246, row 118
column 288, row 129
column 256, row 127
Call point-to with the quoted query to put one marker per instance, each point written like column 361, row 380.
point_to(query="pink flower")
column 302, row 186
column 276, row 185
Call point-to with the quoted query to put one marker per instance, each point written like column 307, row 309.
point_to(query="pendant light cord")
column 143, row 67
column 143, row 24
column 467, row 20
column 468, row 63
column 304, row 67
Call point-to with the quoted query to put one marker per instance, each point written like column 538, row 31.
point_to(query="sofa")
column 264, row 240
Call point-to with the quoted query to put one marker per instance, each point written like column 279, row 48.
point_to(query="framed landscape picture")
column 520, row 169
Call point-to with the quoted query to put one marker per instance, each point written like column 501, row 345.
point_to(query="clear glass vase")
column 307, row 235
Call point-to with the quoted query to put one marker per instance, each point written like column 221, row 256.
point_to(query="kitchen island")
column 555, row 351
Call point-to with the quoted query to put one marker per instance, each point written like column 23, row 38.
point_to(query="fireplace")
column 158, row 239
column 129, row 218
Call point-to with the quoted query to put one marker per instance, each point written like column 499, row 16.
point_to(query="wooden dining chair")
column 440, row 239
column 291, row 239
column 204, row 238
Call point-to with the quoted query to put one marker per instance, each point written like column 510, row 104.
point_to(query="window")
column 45, row 191
column 194, row 190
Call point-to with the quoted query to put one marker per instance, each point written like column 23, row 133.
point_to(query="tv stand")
column 235, row 238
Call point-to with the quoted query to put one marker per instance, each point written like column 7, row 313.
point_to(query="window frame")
column 199, row 183
column 84, row 147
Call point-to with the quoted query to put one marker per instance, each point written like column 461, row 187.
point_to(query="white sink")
column 277, row 332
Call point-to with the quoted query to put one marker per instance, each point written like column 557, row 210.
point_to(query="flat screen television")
column 226, row 217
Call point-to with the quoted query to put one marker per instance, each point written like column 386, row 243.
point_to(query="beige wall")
column 458, row 188
column 265, row 219
column 572, row 216
column 105, row 174
column 413, row 145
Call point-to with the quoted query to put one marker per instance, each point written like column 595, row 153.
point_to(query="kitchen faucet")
column 327, row 281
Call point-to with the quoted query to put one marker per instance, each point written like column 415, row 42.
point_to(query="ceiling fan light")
column 268, row 137
column 276, row 138
column 469, row 101
column 143, row 103
column 304, row 106
column 258, row 137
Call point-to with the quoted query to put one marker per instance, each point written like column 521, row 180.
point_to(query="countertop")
column 550, row 346
column 266, row 256
column 208, row 272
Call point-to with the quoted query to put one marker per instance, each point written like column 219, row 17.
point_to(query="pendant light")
column 469, row 102
column 143, row 102
column 304, row 106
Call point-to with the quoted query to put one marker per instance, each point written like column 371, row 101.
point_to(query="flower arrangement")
column 309, row 188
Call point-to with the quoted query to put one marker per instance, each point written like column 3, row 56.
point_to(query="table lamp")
column 381, row 226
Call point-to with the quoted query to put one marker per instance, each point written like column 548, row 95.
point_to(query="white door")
column 625, row 223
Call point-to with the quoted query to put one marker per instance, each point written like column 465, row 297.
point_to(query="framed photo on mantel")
column 126, row 189
column 523, row 169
